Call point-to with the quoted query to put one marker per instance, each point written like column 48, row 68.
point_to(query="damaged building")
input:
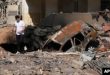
column 34, row 11
column 49, row 17
column 65, row 26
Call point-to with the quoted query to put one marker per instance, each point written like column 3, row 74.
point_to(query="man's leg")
column 20, row 43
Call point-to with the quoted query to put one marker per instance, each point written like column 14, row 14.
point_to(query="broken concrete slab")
column 87, row 56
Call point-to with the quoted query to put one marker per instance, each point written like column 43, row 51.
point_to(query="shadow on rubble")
column 10, row 47
column 13, row 48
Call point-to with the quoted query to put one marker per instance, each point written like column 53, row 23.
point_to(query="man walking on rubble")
column 19, row 28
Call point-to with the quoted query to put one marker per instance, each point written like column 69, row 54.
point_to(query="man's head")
column 18, row 18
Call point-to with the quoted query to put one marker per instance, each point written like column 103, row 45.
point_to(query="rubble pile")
column 37, row 35
column 76, row 36
column 56, row 34
column 42, row 63
column 98, row 64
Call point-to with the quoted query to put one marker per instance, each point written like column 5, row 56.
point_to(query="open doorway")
column 105, row 4
column 69, row 6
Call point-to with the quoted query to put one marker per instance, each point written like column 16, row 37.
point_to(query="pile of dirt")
column 7, row 34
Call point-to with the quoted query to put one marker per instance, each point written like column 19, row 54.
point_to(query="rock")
column 72, row 49
column 39, row 71
column 87, row 56
column 3, row 53
column 56, row 69
column 6, row 72
column 55, row 73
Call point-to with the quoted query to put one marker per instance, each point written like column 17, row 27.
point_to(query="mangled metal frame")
column 71, row 30
column 66, row 34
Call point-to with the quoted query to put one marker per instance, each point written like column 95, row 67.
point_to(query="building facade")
column 34, row 11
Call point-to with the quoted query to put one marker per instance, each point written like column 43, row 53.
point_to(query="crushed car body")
column 78, row 35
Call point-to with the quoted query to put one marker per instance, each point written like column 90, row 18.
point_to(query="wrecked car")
column 72, row 36
column 57, row 32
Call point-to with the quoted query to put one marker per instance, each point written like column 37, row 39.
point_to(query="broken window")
column 67, row 46
column 52, row 46
column 78, row 38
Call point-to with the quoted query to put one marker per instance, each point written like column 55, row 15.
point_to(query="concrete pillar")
column 94, row 5
column 51, row 6
column 25, row 13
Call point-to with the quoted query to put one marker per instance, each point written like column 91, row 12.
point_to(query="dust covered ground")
column 43, row 63
column 38, row 62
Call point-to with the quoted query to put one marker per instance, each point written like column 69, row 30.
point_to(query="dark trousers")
column 20, row 43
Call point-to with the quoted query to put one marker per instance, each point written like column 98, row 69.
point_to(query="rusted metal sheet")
column 67, row 32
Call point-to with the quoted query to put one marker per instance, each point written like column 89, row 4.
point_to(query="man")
column 20, row 26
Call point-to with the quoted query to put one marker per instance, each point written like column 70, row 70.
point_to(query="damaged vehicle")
column 58, row 33
column 66, row 38
column 74, row 36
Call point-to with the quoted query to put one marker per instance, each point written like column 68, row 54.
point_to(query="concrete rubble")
column 73, row 48
column 42, row 63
